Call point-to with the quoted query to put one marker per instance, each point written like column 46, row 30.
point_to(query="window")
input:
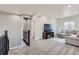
column 69, row 25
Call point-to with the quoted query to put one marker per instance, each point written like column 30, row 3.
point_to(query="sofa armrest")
column 73, row 38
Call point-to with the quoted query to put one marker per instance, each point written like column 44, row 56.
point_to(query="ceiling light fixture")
column 69, row 6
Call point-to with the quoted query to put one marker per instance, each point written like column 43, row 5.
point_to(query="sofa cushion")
column 73, row 36
column 78, row 34
column 74, row 32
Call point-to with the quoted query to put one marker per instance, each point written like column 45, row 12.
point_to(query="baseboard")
column 22, row 45
column 26, row 43
column 17, row 47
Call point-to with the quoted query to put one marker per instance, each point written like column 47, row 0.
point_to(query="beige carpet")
column 45, row 47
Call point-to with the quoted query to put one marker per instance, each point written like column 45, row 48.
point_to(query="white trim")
column 22, row 45
column 17, row 47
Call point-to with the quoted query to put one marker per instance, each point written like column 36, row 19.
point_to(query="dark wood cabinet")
column 47, row 35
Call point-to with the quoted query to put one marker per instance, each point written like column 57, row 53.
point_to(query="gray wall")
column 13, row 24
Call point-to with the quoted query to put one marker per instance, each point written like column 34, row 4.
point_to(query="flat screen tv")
column 47, row 28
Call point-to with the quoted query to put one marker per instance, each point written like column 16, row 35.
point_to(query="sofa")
column 64, row 34
column 71, row 37
column 72, row 40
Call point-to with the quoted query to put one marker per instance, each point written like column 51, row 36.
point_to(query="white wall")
column 38, row 25
column 38, row 22
column 13, row 24
column 60, row 22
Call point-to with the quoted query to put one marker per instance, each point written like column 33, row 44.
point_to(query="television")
column 47, row 28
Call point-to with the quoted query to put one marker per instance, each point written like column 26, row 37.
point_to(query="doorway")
column 27, row 30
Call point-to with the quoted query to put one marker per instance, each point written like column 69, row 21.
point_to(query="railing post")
column 6, row 33
column 7, row 42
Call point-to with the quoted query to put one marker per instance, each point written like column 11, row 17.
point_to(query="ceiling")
column 53, row 10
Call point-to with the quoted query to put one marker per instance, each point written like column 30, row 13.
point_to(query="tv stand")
column 47, row 35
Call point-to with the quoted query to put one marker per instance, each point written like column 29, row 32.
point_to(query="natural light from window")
column 69, row 25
